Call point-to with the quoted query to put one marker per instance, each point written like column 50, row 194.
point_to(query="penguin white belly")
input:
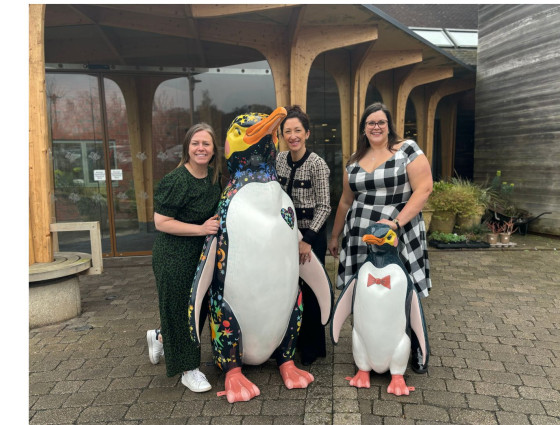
column 261, row 283
column 379, row 336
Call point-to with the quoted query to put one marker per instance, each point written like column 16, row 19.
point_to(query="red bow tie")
column 385, row 281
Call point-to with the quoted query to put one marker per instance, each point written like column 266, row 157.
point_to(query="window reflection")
column 76, row 134
column 323, row 108
column 217, row 96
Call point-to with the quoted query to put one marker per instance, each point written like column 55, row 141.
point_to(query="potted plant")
column 472, row 201
column 506, row 229
column 495, row 228
column 476, row 233
column 444, row 203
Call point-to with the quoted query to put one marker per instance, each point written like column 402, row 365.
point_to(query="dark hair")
column 215, row 161
column 295, row 111
column 363, row 142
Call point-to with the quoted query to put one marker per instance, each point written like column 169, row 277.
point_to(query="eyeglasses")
column 380, row 124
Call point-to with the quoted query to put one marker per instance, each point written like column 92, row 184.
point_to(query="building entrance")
column 95, row 174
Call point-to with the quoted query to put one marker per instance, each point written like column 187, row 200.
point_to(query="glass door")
column 96, row 174
column 130, row 173
column 77, row 149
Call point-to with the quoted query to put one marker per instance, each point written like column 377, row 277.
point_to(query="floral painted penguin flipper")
column 314, row 274
column 342, row 309
column 201, row 282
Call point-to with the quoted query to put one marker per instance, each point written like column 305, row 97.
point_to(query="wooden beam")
column 338, row 66
column 192, row 26
column 215, row 10
column 164, row 10
column 94, row 237
column 274, row 47
column 417, row 98
column 256, row 35
column 108, row 37
column 138, row 94
column 40, row 195
column 373, row 63
column 414, row 78
column 313, row 40
column 435, row 94
column 110, row 17
column 358, row 56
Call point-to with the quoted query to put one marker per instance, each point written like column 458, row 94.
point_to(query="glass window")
column 372, row 94
column 434, row 36
column 218, row 96
column 464, row 38
column 410, row 127
column 323, row 108
column 76, row 130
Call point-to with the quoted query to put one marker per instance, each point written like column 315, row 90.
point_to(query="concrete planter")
column 427, row 216
column 467, row 222
column 54, row 301
column 443, row 222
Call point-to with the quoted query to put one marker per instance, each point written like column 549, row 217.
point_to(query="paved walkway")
column 494, row 324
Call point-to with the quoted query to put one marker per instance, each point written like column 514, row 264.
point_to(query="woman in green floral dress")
column 185, row 203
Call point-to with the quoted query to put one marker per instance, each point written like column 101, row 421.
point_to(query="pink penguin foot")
column 294, row 377
column 238, row 387
column 360, row 380
column 398, row 386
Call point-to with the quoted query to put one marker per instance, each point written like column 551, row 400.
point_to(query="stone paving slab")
column 493, row 318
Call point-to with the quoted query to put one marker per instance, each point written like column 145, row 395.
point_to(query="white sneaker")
column 195, row 381
column 155, row 348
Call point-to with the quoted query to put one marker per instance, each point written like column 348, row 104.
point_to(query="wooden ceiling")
column 182, row 35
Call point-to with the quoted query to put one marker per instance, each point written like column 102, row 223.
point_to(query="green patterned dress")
column 174, row 260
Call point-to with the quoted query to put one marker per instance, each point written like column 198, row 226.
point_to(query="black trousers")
column 311, row 340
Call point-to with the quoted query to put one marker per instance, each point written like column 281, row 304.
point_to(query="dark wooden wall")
column 517, row 117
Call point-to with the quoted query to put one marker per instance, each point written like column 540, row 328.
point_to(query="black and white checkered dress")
column 383, row 193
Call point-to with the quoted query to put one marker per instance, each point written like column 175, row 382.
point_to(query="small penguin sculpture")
column 251, row 266
column 386, row 308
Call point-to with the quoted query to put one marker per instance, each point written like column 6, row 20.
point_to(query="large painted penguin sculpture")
column 251, row 266
column 386, row 308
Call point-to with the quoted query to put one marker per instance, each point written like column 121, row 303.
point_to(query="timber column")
column 40, row 192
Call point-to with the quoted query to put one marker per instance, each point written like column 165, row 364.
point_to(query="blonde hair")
column 215, row 161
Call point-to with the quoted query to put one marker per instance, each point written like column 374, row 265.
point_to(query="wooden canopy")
column 361, row 42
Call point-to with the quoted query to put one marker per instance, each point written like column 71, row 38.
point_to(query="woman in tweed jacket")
column 304, row 176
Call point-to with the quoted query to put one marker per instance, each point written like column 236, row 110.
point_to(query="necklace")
column 199, row 174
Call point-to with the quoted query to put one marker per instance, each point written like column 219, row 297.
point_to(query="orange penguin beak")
column 370, row 239
column 264, row 127
column 390, row 238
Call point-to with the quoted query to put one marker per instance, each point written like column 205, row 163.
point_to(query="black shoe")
column 416, row 362
column 308, row 361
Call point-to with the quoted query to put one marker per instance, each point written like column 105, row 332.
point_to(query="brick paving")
column 494, row 323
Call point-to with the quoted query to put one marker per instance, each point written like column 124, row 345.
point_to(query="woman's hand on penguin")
column 304, row 252
column 210, row 226
column 389, row 223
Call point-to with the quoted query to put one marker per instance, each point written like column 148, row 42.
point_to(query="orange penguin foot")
column 238, row 387
column 294, row 377
column 360, row 380
column 398, row 386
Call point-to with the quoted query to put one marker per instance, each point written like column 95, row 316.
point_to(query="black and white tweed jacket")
column 307, row 183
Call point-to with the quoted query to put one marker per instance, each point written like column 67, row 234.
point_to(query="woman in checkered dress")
column 304, row 176
column 388, row 180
